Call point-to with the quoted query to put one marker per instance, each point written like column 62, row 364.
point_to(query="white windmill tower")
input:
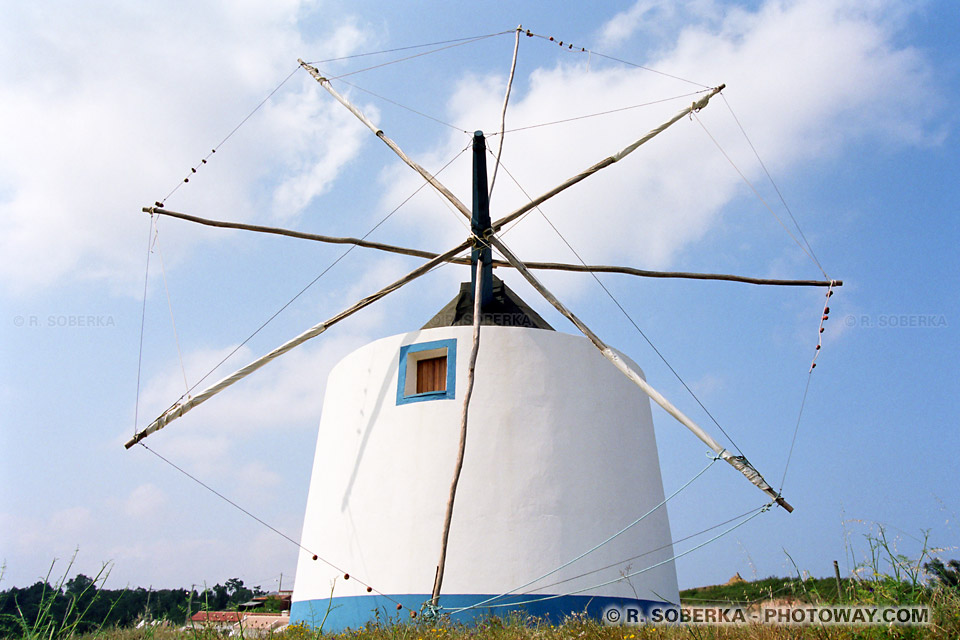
column 560, row 444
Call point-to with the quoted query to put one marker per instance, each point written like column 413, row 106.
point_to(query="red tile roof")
column 217, row 616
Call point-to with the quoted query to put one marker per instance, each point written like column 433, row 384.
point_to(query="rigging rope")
column 407, row 48
column 758, row 510
column 813, row 364
column 501, row 133
column 646, row 553
column 604, row 113
column 770, row 177
column 446, row 202
column 308, row 286
column 347, row 575
column 759, row 197
column 403, row 106
column 796, row 429
column 462, row 446
column 627, row 315
column 808, row 250
column 143, row 318
column 601, row 544
column 503, row 112
column 823, row 318
column 418, row 55
column 578, row 49
column 203, row 161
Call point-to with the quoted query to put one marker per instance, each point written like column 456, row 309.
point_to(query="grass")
column 884, row 577
column 945, row 605
column 946, row 627
column 58, row 617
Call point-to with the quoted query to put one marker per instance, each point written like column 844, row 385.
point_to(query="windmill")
column 557, row 422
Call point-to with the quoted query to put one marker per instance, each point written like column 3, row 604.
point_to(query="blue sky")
column 104, row 109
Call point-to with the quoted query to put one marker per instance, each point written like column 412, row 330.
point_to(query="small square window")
column 427, row 371
column 432, row 375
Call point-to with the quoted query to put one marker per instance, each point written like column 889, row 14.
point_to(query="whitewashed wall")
column 560, row 454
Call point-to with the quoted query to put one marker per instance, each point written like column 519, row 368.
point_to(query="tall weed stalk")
column 48, row 623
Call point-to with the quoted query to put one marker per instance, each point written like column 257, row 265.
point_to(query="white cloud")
column 327, row 137
column 98, row 121
column 653, row 19
column 55, row 535
column 709, row 385
column 346, row 39
column 624, row 24
column 100, row 117
column 104, row 125
column 286, row 394
column 145, row 500
column 72, row 520
column 807, row 79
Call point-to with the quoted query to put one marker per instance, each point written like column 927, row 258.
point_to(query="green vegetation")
column 947, row 575
column 810, row 590
column 82, row 608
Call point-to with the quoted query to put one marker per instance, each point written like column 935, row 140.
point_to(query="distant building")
column 282, row 597
column 222, row 620
column 245, row 622
column 256, row 624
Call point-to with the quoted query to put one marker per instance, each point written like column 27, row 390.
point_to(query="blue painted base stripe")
column 354, row 612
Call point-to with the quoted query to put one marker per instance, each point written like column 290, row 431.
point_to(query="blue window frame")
column 407, row 379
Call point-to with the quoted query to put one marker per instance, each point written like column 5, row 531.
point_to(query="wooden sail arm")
column 458, row 465
column 189, row 402
column 606, row 162
column 688, row 275
column 436, row 184
column 360, row 242
column 548, row 266
column 497, row 225
column 738, row 462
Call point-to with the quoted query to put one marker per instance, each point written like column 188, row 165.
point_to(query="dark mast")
column 481, row 223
